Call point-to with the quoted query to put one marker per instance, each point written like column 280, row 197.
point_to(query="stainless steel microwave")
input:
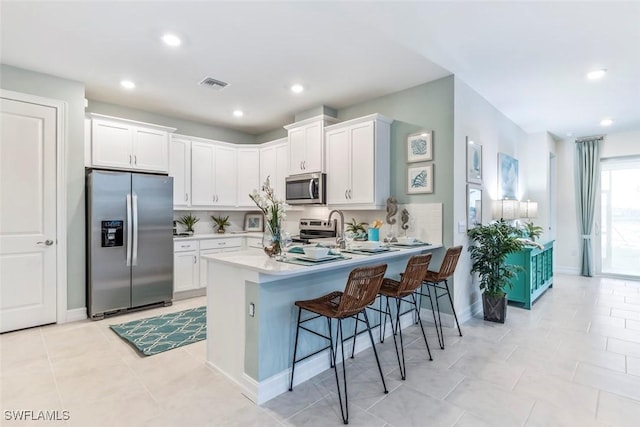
column 306, row 189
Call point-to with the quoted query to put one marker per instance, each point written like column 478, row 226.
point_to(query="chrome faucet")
column 339, row 239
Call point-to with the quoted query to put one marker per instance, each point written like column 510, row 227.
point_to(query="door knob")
column 47, row 242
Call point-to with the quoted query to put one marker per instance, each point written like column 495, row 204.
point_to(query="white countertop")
column 218, row 236
column 256, row 260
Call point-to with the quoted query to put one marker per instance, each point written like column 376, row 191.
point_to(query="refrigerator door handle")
column 134, row 255
column 129, row 230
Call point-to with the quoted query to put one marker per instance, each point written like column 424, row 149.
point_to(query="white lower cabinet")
column 186, row 266
column 215, row 246
column 254, row 242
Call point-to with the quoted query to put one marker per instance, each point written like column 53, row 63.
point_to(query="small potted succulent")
column 221, row 222
column 188, row 221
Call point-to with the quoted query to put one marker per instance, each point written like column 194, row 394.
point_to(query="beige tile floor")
column 574, row 360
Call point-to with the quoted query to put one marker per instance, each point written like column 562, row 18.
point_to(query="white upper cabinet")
column 248, row 174
column 358, row 163
column 180, row 170
column 126, row 144
column 306, row 145
column 274, row 163
column 213, row 174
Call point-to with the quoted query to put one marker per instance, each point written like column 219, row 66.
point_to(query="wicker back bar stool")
column 361, row 290
column 436, row 286
column 405, row 290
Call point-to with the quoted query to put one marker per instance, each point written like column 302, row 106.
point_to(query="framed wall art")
column 507, row 176
column 474, row 162
column 253, row 222
column 474, row 205
column 420, row 178
column 419, row 147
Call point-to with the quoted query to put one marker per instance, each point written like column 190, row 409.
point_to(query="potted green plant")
column 221, row 222
column 189, row 221
column 358, row 229
column 532, row 231
column 493, row 242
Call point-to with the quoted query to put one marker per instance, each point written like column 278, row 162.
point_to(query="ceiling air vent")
column 213, row 83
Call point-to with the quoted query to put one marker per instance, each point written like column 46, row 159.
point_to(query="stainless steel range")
column 316, row 229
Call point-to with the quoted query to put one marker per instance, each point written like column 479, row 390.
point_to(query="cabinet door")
column 225, row 176
column 185, row 271
column 362, row 168
column 282, row 160
column 180, row 170
column 297, row 150
column 202, row 161
column 111, row 144
column 150, row 150
column 268, row 164
column 248, row 175
column 314, row 158
column 203, row 265
column 338, row 167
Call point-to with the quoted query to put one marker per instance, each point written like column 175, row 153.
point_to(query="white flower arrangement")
column 274, row 210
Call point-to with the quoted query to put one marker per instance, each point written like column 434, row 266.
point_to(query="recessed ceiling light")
column 127, row 84
column 297, row 88
column 171, row 40
column 606, row 122
column 238, row 113
column 596, row 74
column 471, row 142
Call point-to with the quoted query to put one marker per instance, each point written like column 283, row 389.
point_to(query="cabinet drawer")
column 221, row 243
column 185, row 245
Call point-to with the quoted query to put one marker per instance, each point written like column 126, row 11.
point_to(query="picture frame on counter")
column 254, row 222
column 474, row 161
column 420, row 178
column 420, row 147
column 474, row 206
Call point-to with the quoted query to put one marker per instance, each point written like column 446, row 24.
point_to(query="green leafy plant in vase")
column 493, row 243
column 532, row 231
column 358, row 229
column 189, row 221
column 221, row 222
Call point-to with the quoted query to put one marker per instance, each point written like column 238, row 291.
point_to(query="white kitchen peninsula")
column 251, row 315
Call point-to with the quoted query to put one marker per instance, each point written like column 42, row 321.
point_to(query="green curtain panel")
column 587, row 172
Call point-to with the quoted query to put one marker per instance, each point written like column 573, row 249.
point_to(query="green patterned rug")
column 161, row 333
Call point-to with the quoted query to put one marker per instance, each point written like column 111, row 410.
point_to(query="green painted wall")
column 427, row 106
column 71, row 92
column 185, row 127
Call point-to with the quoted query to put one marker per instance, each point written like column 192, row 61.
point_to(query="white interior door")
column 27, row 215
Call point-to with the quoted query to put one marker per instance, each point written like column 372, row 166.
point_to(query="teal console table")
column 536, row 277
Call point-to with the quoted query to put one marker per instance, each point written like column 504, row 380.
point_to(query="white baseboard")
column 574, row 271
column 75, row 315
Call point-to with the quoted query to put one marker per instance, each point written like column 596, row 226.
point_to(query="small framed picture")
column 420, row 178
column 507, row 176
column 474, row 205
column 419, row 147
column 474, row 161
column 253, row 222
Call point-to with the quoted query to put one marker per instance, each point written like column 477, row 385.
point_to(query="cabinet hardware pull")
column 129, row 158
column 345, row 194
column 195, row 259
column 135, row 160
column 186, row 197
column 184, row 246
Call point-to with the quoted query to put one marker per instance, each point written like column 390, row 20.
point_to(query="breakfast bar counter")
column 251, row 315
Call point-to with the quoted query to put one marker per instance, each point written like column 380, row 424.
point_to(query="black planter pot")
column 495, row 308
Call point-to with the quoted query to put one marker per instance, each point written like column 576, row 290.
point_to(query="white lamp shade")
column 506, row 209
column 528, row 209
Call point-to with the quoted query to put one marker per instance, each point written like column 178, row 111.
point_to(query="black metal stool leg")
column 395, row 342
column 403, row 367
column 366, row 320
column 295, row 349
column 344, row 409
column 435, row 290
column 355, row 334
column 332, row 356
column 435, row 321
column 413, row 297
column 455, row 316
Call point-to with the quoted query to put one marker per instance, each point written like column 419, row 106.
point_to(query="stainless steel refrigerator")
column 129, row 241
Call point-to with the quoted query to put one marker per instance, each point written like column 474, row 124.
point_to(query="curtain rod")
column 589, row 138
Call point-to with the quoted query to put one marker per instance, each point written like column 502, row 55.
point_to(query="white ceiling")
column 528, row 59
